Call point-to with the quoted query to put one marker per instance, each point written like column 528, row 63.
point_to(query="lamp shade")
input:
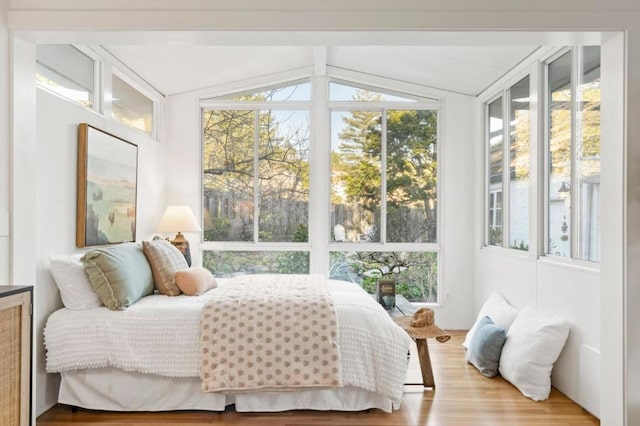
column 178, row 219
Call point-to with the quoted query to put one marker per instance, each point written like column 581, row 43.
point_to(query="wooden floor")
column 462, row 397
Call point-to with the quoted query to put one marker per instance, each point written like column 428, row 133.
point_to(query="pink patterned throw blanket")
column 270, row 332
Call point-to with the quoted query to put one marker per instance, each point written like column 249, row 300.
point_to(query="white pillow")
column 75, row 289
column 533, row 345
column 499, row 310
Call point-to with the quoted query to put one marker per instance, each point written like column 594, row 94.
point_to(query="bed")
column 147, row 358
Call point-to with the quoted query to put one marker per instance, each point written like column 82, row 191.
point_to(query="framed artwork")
column 107, row 188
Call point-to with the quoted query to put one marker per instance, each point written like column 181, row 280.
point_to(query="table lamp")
column 179, row 219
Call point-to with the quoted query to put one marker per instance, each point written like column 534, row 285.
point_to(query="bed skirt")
column 116, row 390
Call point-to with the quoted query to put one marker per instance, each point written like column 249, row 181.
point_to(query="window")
column 519, row 140
column 573, row 151
column 382, row 185
column 495, row 154
column 384, row 190
column 66, row 71
column 70, row 72
column 256, row 179
column 131, row 107
column 507, row 203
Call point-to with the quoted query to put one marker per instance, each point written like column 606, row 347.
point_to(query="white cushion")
column 499, row 310
column 76, row 291
column 533, row 345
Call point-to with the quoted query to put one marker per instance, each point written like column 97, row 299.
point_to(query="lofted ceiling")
column 180, row 67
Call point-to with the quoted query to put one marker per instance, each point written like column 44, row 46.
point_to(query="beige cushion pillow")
column 165, row 260
column 195, row 280
column 119, row 274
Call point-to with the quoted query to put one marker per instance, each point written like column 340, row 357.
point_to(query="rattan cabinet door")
column 15, row 356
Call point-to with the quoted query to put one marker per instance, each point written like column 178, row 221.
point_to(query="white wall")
column 55, row 173
column 572, row 290
column 4, row 145
column 621, row 354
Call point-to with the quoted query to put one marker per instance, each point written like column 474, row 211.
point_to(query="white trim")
column 319, row 177
column 506, row 166
column 253, row 246
column 383, row 176
column 251, row 84
column 569, row 263
column 128, row 75
column 518, row 72
column 368, row 247
column 536, row 153
column 402, row 88
column 256, row 176
column 212, row 104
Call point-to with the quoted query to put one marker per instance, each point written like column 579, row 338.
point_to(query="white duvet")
column 160, row 335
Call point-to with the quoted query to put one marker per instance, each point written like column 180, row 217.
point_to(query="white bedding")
column 159, row 335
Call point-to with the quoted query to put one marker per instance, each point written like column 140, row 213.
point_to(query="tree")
column 411, row 168
column 229, row 167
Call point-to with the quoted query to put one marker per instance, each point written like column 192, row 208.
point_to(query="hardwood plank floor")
column 462, row 397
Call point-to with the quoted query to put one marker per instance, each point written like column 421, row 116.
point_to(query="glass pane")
column 415, row 273
column 519, row 165
column 284, row 176
column 131, row 107
column 495, row 127
column 412, row 166
column 295, row 92
column 588, row 165
column 355, row 175
column 343, row 92
column 228, row 164
column 65, row 70
column 225, row 264
column 559, row 119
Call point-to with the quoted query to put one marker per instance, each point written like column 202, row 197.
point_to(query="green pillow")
column 485, row 347
column 119, row 274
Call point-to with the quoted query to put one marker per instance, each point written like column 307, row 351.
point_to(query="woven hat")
column 421, row 325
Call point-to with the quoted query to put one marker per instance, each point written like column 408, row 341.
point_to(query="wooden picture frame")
column 106, row 188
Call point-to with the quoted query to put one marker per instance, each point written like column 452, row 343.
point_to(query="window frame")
column 421, row 103
column 105, row 66
column 505, row 93
column 320, row 107
column 212, row 104
column 98, row 72
column 575, row 223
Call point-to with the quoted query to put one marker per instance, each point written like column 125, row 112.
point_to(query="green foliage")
column 217, row 229
column 495, row 236
column 520, row 246
column 295, row 262
column 229, row 263
column 415, row 273
column 411, row 167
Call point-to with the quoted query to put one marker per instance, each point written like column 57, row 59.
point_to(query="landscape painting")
column 107, row 184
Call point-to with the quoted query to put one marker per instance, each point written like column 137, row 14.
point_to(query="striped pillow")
column 165, row 260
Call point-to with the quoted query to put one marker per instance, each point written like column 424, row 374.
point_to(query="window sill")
column 573, row 264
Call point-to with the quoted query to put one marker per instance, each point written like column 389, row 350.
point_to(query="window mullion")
column 574, row 190
column 256, row 177
column 506, row 171
column 383, row 177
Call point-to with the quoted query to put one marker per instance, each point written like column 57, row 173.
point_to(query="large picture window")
column 256, row 177
column 384, row 190
column 573, row 149
column 381, row 181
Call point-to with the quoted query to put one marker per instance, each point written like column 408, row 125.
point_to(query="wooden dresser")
column 15, row 355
